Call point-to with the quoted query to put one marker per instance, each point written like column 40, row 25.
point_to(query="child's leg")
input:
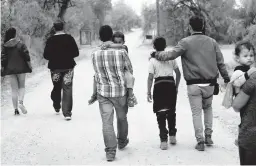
column 161, row 119
column 172, row 113
column 129, row 80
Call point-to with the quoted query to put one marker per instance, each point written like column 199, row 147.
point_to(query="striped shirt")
column 109, row 66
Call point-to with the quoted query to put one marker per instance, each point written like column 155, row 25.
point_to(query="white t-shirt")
column 162, row 68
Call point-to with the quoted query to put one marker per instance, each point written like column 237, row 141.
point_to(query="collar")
column 59, row 33
column 197, row 33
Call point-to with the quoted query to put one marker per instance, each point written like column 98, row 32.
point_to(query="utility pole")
column 157, row 17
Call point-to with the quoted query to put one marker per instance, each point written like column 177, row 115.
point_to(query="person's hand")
column 149, row 98
column 251, row 71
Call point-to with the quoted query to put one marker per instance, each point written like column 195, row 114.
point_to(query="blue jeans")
column 107, row 106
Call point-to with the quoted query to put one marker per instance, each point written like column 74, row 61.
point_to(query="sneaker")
column 110, row 157
column 123, row 145
column 23, row 108
column 57, row 111
column 16, row 112
column 164, row 145
column 68, row 118
column 200, row 146
column 173, row 140
column 208, row 140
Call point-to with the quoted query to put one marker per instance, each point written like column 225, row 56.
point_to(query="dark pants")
column 247, row 157
column 107, row 106
column 170, row 116
column 62, row 80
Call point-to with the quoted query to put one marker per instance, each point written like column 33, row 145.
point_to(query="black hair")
column 58, row 25
column 9, row 34
column 106, row 33
column 118, row 34
column 246, row 44
column 196, row 23
column 159, row 43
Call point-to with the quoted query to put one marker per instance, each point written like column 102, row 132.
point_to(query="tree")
column 123, row 18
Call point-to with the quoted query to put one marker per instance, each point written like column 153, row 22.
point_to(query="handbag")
column 228, row 97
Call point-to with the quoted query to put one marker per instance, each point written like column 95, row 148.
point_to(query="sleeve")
column 175, row 65
column 73, row 46
column 221, row 64
column 151, row 67
column 177, row 51
column 3, row 57
column 25, row 51
column 47, row 50
column 127, row 61
column 249, row 86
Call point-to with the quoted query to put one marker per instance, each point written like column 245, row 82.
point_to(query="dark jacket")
column 61, row 50
column 15, row 58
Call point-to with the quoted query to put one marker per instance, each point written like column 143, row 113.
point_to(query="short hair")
column 118, row 34
column 105, row 33
column 159, row 43
column 196, row 23
column 9, row 34
column 58, row 25
column 246, row 44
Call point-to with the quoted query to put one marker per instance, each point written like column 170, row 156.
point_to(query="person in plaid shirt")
column 109, row 66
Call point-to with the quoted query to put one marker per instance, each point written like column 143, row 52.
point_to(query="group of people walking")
column 202, row 61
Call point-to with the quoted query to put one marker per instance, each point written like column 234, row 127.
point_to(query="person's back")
column 200, row 59
column 61, row 50
column 110, row 70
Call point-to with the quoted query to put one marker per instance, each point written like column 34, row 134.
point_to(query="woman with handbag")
column 15, row 62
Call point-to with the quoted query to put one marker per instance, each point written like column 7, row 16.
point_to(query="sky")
column 136, row 4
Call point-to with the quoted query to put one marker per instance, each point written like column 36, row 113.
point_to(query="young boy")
column 119, row 40
column 245, row 56
column 164, row 93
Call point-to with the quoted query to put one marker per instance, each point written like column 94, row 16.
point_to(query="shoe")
column 16, row 112
column 173, row 140
column 123, row 145
column 208, row 140
column 57, row 111
column 110, row 156
column 68, row 118
column 200, row 146
column 164, row 145
column 23, row 108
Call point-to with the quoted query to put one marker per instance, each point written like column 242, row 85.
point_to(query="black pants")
column 247, row 157
column 170, row 116
column 62, row 80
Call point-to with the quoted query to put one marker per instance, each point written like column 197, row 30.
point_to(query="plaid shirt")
column 109, row 66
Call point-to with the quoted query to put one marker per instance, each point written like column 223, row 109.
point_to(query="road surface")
column 42, row 137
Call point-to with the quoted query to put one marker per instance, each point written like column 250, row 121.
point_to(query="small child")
column 164, row 93
column 119, row 40
column 244, row 54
